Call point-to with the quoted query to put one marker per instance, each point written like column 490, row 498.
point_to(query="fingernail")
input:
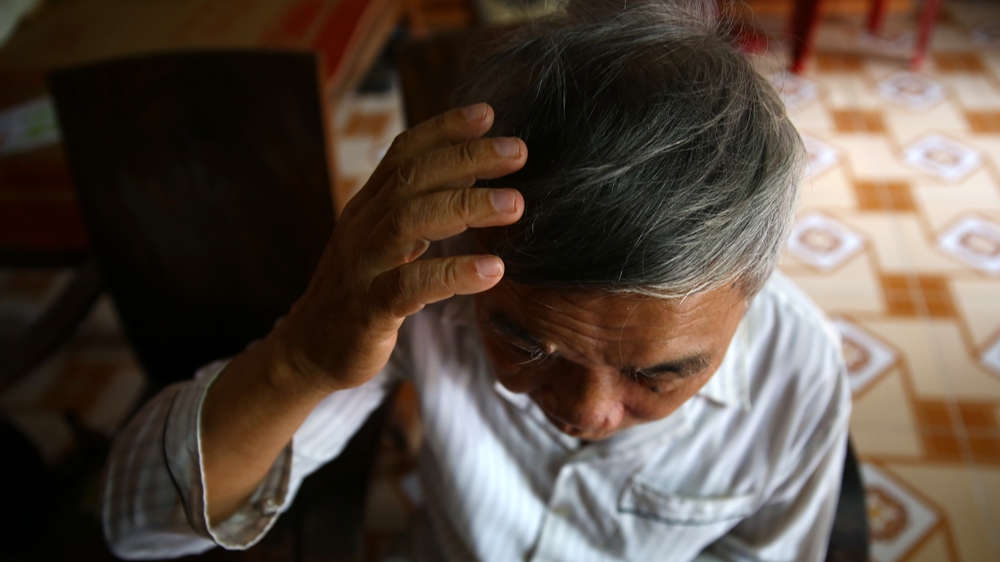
column 507, row 147
column 503, row 200
column 489, row 267
column 475, row 112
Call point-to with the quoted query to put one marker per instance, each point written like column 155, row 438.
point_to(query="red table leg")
column 876, row 16
column 804, row 22
column 924, row 34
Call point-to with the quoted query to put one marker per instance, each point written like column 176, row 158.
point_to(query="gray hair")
column 659, row 161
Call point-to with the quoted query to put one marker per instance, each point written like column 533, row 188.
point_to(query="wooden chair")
column 205, row 186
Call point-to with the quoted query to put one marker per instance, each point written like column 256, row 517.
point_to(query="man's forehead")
column 602, row 316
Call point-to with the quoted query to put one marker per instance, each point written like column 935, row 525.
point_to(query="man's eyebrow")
column 683, row 368
column 500, row 323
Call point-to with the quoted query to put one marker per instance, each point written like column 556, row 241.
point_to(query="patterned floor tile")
column 902, row 243
column 935, row 548
column 847, row 90
column 907, row 126
column 889, row 195
column 813, row 118
column 983, row 121
column 958, row 431
column 911, row 90
column 837, row 62
column 823, row 242
column 830, row 190
column 893, row 44
column 851, row 288
column 943, row 205
column 891, row 443
column 936, row 358
column 975, row 241
column 991, row 357
column 867, row 121
column 898, row 519
column 867, row 357
column 795, row 91
column 917, row 295
column 873, row 157
column 953, row 490
column 883, row 419
column 958, row 62
column 973, row 91
column 979, row 309
column 821, row 156
column 942, row 157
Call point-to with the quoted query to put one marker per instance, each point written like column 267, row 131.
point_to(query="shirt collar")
column 730, row 385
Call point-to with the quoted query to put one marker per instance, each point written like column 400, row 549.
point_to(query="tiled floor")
column 897, row 238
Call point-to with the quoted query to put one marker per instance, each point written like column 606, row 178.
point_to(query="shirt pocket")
column 643, row 500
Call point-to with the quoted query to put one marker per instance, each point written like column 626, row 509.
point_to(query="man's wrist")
column 290, row 373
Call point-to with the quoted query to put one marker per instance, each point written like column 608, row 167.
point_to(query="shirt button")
column 563, row 511
column 268, row 507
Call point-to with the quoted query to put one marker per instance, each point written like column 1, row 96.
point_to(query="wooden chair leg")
column 924, row 34
column 805, row 19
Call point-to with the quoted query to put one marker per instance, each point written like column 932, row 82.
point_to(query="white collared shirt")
column 748, row 469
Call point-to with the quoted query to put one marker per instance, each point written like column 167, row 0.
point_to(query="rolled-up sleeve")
column 153, row 498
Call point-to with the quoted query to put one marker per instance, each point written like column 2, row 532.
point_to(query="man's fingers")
column 461, row 165
column 451, row 127
column 404, row 232
column 458, row 125
column 449, row 168
column 407, row 289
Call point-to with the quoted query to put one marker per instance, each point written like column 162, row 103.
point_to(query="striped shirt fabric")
column 747, row 469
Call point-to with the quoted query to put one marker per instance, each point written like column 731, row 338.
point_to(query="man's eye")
column 655, row 383
column 530, row 352
column 659, row 379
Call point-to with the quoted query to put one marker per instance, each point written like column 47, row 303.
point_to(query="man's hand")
column 342, row 331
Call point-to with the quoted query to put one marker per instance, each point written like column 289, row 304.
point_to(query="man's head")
column 659, row 190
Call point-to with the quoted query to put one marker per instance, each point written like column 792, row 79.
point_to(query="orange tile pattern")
column 917, row 295
column 958, row 62
column 941, row 425
column 884, row 195
column 858, row 121
column 838, row 62
column 983, row 122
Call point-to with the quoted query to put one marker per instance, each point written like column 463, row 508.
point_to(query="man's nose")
column 588, row 398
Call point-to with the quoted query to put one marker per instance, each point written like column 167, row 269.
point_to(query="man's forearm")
column 250, row 414
column 367, row 282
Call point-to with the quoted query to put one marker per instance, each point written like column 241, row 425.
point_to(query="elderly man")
column 620, row 376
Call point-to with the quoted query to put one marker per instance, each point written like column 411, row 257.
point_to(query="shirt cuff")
column 182, row 451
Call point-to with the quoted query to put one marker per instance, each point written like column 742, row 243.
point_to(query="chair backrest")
column 204, row 182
